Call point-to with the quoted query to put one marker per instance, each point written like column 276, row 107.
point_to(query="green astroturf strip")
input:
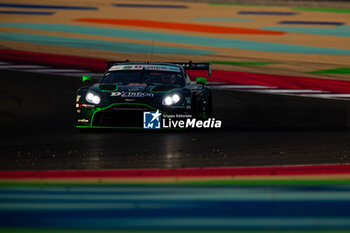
column 18, row 230
column 243, row 63
column 332, row 10
column 332, row 71
column 180, row 183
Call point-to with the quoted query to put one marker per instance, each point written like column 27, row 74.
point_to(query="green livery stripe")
column 243, row 63
column 106, row 127
column 332, row 10
column 101, row 109
column 332, row 71
column 276, row 182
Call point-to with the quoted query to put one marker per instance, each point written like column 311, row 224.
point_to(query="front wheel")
column 204, row 109
column 207, row 108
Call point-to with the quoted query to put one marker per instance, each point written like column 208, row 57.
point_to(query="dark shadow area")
column 242, row 110
column 37, row 131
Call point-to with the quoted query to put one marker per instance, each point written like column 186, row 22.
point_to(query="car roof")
column 147, row 63
column 135, row 65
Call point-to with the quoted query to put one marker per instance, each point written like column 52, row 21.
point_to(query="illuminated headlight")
column 171, row 99
column 92, row 98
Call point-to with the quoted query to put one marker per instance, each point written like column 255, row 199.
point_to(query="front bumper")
column 118, row 115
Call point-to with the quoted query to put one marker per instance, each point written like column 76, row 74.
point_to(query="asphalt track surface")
column 37, row 131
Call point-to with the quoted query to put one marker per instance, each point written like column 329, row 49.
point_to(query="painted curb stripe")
column 150, row 5
column 280, row 81
column 232, row 79
column 55, row 60
column 312, row 23
column 177, row 38
column 33, row 6
column 97, row 44
column 186, row 172
column 223, row 19
column 21, row 66
column 339, row 31
column 27, row 12
column 266, row 13
column 235, row 79
column 213, row 181
column 240, row 4
column 52, row 70
column 179, row 26
column 243, row 63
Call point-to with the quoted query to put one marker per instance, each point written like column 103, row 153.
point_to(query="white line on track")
column 327, row 95
column 216, row 83
column 241, row 87
column 296, row 91
column 82, row 74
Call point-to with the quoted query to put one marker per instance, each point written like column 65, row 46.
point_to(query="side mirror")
column 87, row 79
column 202, row 81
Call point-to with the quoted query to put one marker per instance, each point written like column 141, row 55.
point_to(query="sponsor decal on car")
column 146, row 67
column 163, row 68
column 129, row 94
column 126, row 67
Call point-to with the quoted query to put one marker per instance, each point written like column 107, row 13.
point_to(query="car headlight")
column 92, row 98
column 171, row 99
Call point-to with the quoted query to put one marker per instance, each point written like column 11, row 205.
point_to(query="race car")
column 129, row 89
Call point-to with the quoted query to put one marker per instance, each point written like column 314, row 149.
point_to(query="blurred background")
column 280, row 85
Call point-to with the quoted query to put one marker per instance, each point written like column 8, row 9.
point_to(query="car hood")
column 133, row 93
column 134, row 88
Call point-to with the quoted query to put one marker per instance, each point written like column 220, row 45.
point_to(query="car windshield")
column 143, row 76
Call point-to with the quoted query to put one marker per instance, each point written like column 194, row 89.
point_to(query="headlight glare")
column 92, row 98
column 89, row 96
column 171, row 99
column 168, row 100
column 175, row 98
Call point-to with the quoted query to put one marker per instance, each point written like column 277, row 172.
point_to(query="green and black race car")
column 128, row 90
